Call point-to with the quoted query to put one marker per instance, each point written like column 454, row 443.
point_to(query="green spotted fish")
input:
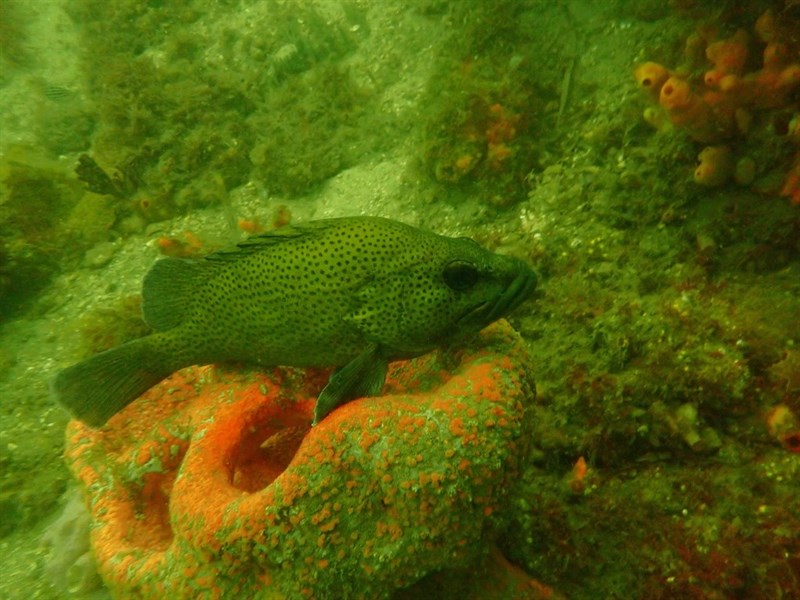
column 353, row 293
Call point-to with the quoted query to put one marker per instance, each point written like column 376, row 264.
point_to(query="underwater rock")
column 213, row 482
column 99, row 255
column 70, row 566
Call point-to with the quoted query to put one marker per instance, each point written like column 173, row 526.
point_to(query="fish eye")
column 460, row 275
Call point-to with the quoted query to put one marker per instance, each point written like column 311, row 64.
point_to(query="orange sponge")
column 651, row 76
column 715, row 166
column 707, row 118
column 212, row 483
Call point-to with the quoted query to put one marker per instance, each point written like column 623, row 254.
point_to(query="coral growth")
column 791, row 185
column 784, row 426
column 694, row 112
column 187, row 245
column 651, row 76
column 213, row 479
column 485, row 144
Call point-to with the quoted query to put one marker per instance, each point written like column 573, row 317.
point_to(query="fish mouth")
column 517, row 291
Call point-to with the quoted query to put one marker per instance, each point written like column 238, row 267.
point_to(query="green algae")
column 287, row 116
column 14, row 51
column 36, row 198
column 487, row 99
column 308, row 138
column 47, row 222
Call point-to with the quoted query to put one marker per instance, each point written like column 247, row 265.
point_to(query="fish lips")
column 520, row 288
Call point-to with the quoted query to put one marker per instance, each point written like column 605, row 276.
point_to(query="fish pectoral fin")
column 362, row 376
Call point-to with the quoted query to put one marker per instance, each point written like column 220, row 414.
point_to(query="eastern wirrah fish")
column 353, row 293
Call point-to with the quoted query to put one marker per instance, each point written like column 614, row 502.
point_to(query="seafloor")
column 665, row 454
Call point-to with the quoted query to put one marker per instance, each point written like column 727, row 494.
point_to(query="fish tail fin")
column 99, row 387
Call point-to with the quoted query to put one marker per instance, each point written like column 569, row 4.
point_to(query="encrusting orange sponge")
column 213, row 484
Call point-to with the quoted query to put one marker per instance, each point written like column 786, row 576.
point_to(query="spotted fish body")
column 353, row 293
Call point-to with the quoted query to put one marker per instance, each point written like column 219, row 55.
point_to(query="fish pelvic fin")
column 99, row 387
column 362, row 376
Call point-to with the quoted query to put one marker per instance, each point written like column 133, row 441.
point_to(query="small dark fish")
column 353, row 293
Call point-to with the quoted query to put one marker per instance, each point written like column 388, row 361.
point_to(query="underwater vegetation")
column 46, row 223
column 316, row 135
column 112, row 324
column 666, row 458
column 13, row 34
column 482, row 135
column 278, row 107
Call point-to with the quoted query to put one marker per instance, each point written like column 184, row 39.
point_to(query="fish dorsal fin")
column 171, row 283
column 264, row 241
column 168, row 289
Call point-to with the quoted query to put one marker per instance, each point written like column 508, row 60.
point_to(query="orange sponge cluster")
column 713, row 95
column 214, row 485
column 715, row 107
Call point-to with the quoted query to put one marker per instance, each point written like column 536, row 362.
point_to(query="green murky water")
column 663, row 462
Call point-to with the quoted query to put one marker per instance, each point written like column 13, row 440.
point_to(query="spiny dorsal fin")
column 167, row 290
column 263, row 241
